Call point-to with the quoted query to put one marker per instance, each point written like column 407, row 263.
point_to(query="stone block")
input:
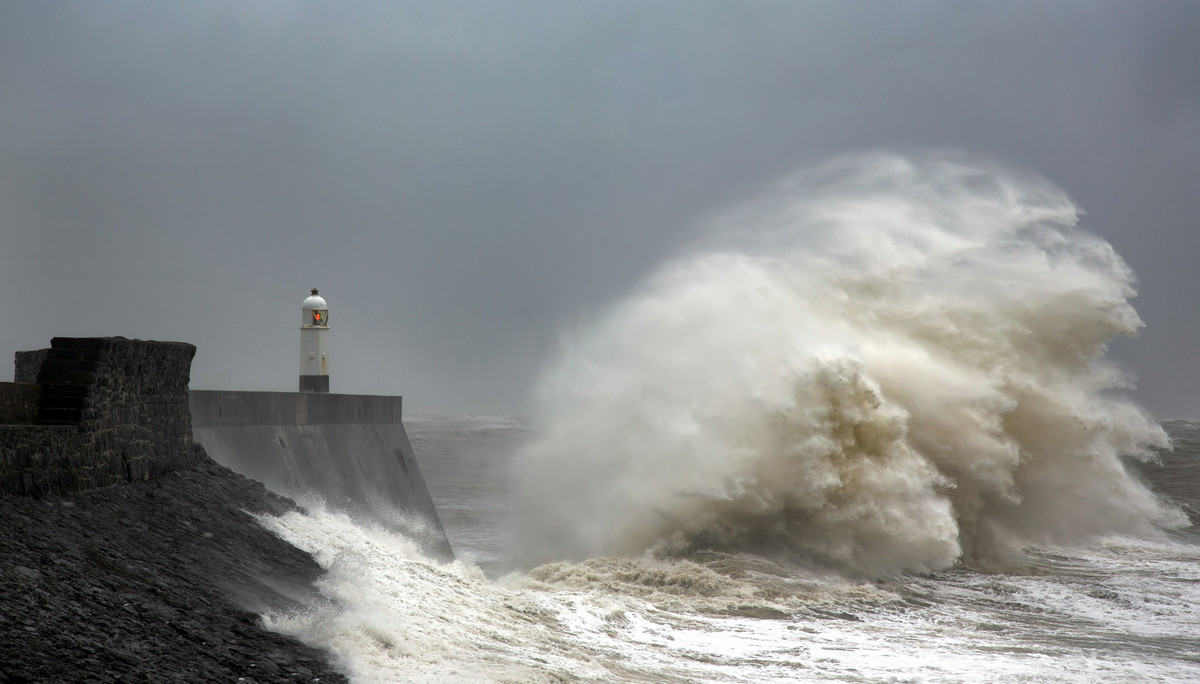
column 112, row 410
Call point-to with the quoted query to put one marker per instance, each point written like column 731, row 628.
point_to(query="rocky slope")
column 156, row 581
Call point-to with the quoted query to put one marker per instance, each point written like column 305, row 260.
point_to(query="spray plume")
column 884, row 364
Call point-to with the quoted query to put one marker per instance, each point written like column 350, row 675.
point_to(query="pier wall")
column 94, row 412
column 349, row 452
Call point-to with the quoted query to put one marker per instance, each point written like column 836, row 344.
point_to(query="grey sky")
column 464, row 179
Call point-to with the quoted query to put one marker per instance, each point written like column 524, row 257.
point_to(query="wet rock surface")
column 156, row 581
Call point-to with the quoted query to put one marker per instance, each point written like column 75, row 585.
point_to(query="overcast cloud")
column 465, row 180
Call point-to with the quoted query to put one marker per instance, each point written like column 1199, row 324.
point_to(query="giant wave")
column 884, row 364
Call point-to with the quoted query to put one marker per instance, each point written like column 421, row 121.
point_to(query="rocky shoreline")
column 154, row 581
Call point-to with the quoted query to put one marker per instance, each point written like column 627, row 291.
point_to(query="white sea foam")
column 1123, row 612
column 883, row 364
column 392, row 615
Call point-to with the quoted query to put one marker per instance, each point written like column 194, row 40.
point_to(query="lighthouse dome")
column 314, row 301
column 314, row 311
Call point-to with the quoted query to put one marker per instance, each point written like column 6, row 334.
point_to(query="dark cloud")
column 464, row 179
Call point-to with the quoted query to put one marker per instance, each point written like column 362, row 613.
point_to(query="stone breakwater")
column 155, row 581
column 109, row 410
column 126, row 554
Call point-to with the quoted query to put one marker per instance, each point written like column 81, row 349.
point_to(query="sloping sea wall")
column 126, row 554
column 349, row 451
column 92, row 412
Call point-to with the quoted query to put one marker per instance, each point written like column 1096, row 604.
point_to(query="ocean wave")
column 884, row 364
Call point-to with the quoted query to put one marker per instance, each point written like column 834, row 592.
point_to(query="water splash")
column 883, row 364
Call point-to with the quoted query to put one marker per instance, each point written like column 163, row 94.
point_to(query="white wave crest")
column 881, row 365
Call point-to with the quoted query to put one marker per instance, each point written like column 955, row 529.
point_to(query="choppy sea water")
column 863, row 430
column 1122, row 610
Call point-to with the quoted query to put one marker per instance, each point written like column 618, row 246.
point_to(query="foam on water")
column 391, row 615
column 884, row 364
column 859, row 434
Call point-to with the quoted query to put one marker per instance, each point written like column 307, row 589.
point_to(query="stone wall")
column 110, row 410
column 216, row 407
column 28, row 363
column 19, row 403
column 351, row 451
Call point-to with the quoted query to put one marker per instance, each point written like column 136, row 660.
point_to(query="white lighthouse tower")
column 314, row 344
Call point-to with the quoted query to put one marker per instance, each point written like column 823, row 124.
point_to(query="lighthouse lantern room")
column 314, row 341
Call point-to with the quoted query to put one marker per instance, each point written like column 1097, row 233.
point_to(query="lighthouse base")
column 314, row 383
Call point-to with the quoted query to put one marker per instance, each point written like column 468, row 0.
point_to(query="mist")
column 886, row 364
column 467, row 182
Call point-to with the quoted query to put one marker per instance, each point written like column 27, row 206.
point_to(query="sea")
column 1121, row 609
column 864, row 429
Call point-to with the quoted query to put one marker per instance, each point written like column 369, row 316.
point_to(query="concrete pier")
column 350, row 451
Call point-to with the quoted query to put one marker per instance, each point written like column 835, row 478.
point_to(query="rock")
column 119, row 584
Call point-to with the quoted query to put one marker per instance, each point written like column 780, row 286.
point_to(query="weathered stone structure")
column 108, row 410
column 159, row 579
column 19, row 403
column 28, row 363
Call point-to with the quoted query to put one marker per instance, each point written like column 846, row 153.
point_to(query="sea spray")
column 1117, row 611
column 883, row 364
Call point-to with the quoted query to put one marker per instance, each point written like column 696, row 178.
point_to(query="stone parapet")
column 27, row 364
column 110, row 410
column 216, row 407
column 19, row 403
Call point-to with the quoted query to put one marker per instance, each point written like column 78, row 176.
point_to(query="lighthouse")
column 314, row 344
